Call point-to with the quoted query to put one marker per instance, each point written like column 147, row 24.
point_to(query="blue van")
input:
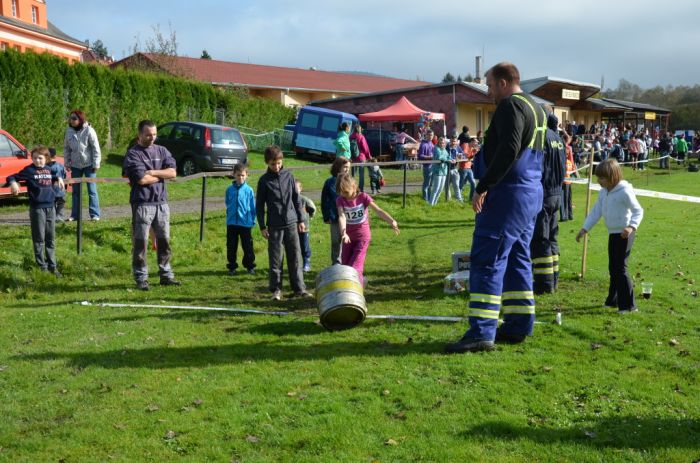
column 317, row 128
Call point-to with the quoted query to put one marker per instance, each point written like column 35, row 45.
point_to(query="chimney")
column 477, row 76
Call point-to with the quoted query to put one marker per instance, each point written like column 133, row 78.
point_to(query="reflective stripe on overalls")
column 501, row 271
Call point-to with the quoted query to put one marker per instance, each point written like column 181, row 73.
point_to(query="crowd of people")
column 627, row 144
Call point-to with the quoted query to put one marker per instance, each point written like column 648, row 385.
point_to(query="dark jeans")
column 93, row 199
column 233, row 232
column 43, row 224
column 305, row 244
column 467, row 176
column 361, row 171
column 621, row 291
column 285, row 241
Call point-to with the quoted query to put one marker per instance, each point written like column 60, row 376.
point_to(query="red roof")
column 401, row 111
column 256, row 75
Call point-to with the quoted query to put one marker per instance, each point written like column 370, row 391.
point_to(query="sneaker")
column 277, row 295
column 624, row 311
column 56, row 273
column 232, row 272
column 71, row 219
column 251, row 271
column 143, row 285
column 468, row 345
column 169, row 282
column 307, row 267
column 509, row 338
column 303, row 294
column 95, row 219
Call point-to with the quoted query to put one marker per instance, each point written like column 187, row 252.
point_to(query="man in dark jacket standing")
column 278, row 206
column 544, row 248
column 506, row 201
column 147, row 166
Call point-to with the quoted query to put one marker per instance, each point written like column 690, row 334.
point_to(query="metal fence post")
column 79, row 219
column 202, row 217
column 404, row 185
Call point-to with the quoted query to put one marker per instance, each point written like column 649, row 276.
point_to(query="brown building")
column 24, row 26
column 289, row 86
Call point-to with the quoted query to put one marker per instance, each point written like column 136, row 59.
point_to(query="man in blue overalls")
column 507, row 201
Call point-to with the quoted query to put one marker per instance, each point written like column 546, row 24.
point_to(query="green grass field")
column 89, row 383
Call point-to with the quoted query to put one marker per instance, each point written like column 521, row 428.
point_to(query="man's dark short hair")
column 273, row 153
column 240, row 167
column 506, row 71
column 146, row 123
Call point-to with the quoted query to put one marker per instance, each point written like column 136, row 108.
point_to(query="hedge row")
column 39, row 90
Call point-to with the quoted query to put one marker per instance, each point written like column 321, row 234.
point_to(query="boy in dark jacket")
column 42, row 212
column 279, row 213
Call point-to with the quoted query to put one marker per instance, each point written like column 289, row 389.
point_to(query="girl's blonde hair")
column 610, row 170
column 345, row 185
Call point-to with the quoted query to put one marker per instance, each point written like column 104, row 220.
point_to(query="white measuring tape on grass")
column 647, row 193
column 428, row 318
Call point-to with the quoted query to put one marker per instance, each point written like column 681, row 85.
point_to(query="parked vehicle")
column 317, row 128
column 13, row 158
column 199, row 147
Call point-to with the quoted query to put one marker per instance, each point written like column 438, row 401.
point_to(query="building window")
column 14, row 8
column 17, row 48
column 35, row 15
column 3, row 46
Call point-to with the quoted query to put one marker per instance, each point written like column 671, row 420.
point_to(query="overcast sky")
column 583, row 41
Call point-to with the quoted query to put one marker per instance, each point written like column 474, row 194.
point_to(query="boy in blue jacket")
column 42, row 212
column 240, row 220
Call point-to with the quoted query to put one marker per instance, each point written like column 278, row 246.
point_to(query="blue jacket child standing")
column 58, row 171
column 240, row 220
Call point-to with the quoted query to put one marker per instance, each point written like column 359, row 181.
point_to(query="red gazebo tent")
column 401, row 111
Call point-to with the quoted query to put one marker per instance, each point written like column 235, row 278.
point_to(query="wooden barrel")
column 340, row 297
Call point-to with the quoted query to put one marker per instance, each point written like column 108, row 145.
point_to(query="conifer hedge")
column 39, row 90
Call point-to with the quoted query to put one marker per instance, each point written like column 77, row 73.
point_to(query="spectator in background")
column 642, row 152
column 358, row 143
column 664, row 150
column 328, row 207
column 342, row 141
column 425, row 153
column 400, row 140
column 466, row 174
column 464, row 137
column 681, row 149
column 81, row 157
column 633, row 150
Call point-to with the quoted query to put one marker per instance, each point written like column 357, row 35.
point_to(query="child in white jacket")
column 618, row 205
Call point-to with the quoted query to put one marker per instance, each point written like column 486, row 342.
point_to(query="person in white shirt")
column 618, row 205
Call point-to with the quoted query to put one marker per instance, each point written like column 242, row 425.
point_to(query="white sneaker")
column 277, row 295
column 95, row 219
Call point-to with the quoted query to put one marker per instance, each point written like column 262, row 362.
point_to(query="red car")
column 13, row 158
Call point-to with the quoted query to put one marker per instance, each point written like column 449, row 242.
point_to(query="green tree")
column 205, row 55
column 448, row 78
column 100, row 49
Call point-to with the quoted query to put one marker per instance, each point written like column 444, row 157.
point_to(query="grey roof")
column 606, row 104
column 51, row 31
column 533, row 84
column 483, row 88
column 637, row 106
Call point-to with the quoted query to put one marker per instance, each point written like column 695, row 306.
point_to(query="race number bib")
column 355, row 215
